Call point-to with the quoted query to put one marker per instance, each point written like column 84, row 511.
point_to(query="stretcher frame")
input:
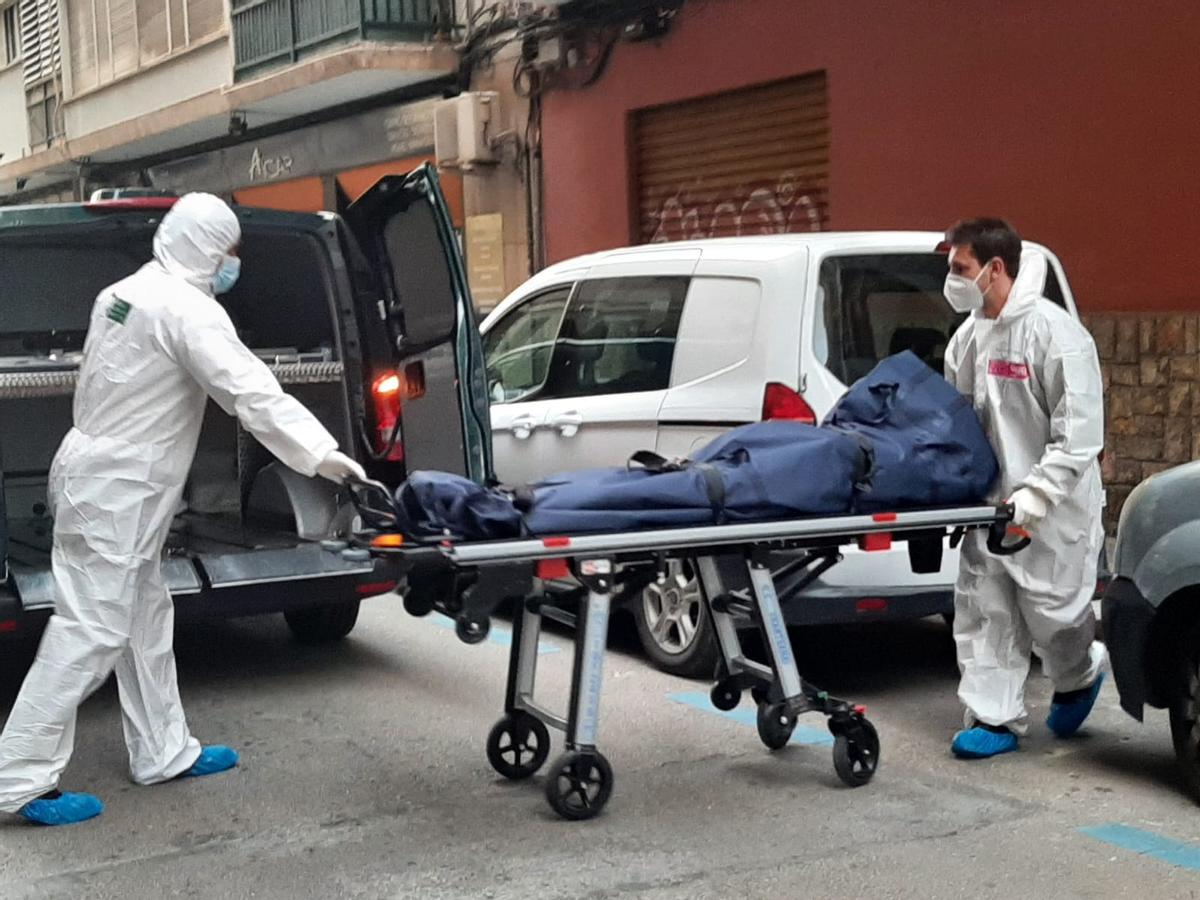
column 472, row 581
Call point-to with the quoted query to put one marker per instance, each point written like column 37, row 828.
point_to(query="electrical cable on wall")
column 588, row 29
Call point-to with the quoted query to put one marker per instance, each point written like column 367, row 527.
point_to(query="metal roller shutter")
column 753, row 161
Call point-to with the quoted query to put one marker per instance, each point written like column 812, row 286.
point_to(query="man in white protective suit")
column 158, row 345
column 1034, row 375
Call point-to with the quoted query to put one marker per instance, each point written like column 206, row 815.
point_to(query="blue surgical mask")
column 227, row 274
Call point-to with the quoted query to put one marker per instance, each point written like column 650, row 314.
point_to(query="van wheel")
column 674, row 626
column 322, row 624
column 1185, row 712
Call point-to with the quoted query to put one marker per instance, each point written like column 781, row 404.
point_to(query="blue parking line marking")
column 743, row 715
column 1147, row 843
column 499, row 635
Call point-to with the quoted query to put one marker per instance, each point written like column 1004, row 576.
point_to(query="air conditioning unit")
column 463, row 130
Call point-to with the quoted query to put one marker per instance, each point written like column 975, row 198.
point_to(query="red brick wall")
column 1075, row 119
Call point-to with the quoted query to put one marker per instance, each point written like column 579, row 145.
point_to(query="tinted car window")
column 878, row 305
column 617, row 337
column 519, row 347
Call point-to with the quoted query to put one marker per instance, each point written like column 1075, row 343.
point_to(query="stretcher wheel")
column 855, row 758
column 775, row 725
column 518, row 746
column 471, row 631
column 579, row 785
column 725, row 696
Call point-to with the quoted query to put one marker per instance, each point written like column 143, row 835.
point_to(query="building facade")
column 290, row 102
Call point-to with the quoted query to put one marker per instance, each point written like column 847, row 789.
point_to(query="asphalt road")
column 364, row 775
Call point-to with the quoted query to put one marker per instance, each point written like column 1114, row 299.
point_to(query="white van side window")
column 617, row 337
column 518, row 349
column 880, row 304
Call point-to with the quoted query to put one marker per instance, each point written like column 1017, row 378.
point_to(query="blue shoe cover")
column 1066, row 718
column 212, row 760
column 979, row 743
column 65, row 809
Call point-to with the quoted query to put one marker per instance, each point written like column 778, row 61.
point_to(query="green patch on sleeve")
column 119, row 311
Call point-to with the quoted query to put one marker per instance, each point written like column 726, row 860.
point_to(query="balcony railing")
column 269, row 33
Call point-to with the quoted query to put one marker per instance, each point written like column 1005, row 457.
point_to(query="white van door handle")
column 567, row 424
column 522, row 427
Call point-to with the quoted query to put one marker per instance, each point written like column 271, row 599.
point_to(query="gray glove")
column 338, row 467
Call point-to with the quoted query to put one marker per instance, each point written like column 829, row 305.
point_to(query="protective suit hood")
column 1029, row 285
column 193, row 237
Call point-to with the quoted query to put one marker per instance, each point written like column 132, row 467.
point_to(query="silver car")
column 1151, row 609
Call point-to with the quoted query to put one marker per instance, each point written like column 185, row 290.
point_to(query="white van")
column 665, row 346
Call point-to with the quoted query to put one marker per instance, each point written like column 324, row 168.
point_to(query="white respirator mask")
column 963, row 293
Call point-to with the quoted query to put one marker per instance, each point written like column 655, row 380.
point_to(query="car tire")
column 322, row 624
column 673, row 624
column 1185, row 711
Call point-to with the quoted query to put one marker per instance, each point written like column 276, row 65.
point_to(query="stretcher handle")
column 373, row 499
column 1002, row 528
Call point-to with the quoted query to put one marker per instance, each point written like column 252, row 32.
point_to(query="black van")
column 366, row 318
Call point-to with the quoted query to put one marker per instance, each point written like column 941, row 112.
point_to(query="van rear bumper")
column 16, row 622
column 208, row 604
column 823, row 605
column 280, row 596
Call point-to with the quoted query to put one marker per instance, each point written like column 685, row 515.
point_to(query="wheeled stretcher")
column 737, row 567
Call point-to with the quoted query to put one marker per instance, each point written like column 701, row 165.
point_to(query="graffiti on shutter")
column 750, row 162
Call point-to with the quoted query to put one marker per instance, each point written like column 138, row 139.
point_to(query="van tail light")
column 781, row 402
column 943, row 247
column 871, row 605
column 385, row 395
column 388, row 393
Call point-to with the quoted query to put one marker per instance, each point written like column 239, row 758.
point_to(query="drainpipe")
column 534, row 185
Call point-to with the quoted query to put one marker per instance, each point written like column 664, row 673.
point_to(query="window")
column 10, row 24
column 112, row 38
column 45, row 114
column 878, row 305
column 41, row 52
column 518, row 348
column 617, row 337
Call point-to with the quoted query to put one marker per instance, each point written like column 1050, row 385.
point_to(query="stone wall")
column 1152, row 398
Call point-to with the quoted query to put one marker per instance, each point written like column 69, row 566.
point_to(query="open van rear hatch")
column 428, row 407
column 399, row 307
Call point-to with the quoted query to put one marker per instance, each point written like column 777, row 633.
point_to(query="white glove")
column 338, row 467
column 1029, row 507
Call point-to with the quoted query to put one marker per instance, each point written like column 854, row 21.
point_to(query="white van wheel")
column 673, row 625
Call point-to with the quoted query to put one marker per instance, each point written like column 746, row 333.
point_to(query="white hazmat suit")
column 158, row 345
column 1034, row 376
